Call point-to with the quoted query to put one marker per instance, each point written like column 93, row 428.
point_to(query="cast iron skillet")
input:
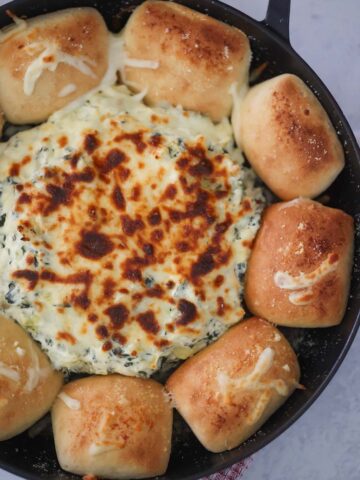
column 320, row 351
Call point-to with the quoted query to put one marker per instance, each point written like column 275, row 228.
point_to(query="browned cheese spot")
column 148, row 322
column 109, row 287
column 136, row 138
column 118, row 315
column 204, row 265
column 106, row 346
column 30, row 275
column 102, row 331
column 91, row 143
column 154, row 217
column 112, row 160
column 94, row 245
column 67, row 337
column 118, row 198
column 188, row 312
column 130, row 226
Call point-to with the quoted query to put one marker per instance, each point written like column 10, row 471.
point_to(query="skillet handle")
column 278, row 18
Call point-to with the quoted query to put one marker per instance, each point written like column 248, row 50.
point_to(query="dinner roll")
column 228, row 390
column 299, row 270
column 113, row 426
column 194, row 59
column 288, row 138
column 50, row 61
column 28, row 384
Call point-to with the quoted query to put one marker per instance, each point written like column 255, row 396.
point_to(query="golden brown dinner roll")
column 28, row 384
column 55, row 59
column 288, row 138
column 113, row 426
column 195, row 59
column 299, row 270
column 228, row 390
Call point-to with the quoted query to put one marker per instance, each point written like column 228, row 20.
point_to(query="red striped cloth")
column 234, row 472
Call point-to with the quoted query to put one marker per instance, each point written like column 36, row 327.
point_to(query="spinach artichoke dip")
column 125, row 233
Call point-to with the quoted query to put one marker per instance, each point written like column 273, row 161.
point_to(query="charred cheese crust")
column 124, row 233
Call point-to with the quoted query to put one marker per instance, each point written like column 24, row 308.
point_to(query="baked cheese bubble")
column 125, row 232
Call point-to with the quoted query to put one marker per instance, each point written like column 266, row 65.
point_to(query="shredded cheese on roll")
column 49, row 59
column 70, row 402
column 9, row 373
column 304, row 280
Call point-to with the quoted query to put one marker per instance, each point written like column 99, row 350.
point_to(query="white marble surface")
column 324, row 444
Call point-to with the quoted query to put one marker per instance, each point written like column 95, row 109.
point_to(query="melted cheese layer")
column 124, row 233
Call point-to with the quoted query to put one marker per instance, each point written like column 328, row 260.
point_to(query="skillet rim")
column 269, row 30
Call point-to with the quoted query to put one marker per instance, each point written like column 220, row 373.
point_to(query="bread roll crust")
column 28, row 384
column 199, row 57
column 288, row 138
column 78, row 32
column 120, row 427
column 306, row 240
column 228, row 390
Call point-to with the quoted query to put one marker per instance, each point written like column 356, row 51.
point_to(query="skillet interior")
column 320, row 351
